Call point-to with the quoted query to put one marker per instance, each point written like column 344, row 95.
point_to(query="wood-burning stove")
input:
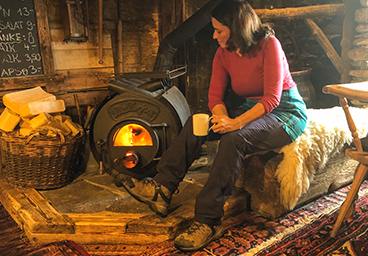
column 144, row 113
column 135, row 125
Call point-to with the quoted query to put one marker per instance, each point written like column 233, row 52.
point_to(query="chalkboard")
column 19, row 43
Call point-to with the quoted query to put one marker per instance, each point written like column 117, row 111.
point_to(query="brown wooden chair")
column 354, row 91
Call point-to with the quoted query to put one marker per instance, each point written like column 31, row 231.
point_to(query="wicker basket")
column 40, row 162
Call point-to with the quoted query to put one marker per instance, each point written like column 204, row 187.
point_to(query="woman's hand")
column 224, row 124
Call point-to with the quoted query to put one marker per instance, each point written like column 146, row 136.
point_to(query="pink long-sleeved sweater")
column 262, row 74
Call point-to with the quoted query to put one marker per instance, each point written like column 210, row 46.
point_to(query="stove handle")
column 177, row 72
column 164, row 142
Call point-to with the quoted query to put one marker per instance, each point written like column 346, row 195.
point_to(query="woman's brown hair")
column 246, row 28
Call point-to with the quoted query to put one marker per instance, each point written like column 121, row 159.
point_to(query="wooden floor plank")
column 31, row 211
column 110, row 238
column 102, row 222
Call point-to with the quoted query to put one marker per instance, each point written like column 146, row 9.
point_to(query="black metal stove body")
column 143, row 108
column 144, row 113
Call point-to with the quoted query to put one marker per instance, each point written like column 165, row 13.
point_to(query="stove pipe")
column 182, row 33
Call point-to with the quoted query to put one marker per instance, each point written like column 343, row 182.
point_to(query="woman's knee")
column 234, row 140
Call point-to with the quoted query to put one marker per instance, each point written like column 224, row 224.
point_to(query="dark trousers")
column 263, row 134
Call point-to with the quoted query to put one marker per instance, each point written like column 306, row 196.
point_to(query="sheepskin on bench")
column 308, row 168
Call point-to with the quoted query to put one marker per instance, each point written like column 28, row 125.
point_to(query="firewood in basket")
column 25, row 123
column 62, row 118
column 47, row 106
column 53, row 122
column 8, row 120
column 45, row 119
column 14, row 101
column 40, row 120
column 27, row 131
column 72, row 126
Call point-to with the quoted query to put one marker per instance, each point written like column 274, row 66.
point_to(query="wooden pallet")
column 44, row 224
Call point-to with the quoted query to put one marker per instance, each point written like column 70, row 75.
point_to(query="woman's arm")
column 219, row 80
column 219, row 110
column 224, row 124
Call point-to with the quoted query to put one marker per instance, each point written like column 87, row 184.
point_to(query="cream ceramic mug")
column 201, row 124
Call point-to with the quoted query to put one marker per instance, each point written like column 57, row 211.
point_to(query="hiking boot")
column 197, row 236
column 150, row 192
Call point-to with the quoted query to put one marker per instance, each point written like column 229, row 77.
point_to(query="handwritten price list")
column 19, row 46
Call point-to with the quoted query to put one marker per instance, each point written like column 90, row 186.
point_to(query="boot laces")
column 149, row 182
column 194, row 228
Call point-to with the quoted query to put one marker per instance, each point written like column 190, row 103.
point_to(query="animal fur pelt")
column 325, row 136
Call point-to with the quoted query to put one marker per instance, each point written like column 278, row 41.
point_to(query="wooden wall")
column 74, row 65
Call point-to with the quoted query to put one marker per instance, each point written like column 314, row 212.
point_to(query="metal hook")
column 98, row 78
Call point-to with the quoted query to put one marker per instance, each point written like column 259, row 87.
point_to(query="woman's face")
column 221, row 33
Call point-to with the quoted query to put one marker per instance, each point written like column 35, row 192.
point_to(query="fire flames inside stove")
column 132, row 135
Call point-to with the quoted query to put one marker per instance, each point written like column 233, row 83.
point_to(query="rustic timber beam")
column 326, row 45
column 51, row 82
column 304, row 12
column 86, row 98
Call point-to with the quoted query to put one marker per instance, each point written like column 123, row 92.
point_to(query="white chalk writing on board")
column 19, row 44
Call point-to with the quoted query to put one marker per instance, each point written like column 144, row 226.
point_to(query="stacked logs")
column 359, row 53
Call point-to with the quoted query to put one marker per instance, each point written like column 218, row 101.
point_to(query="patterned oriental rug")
column 13, row 242
column 305, row 231
column 302, row 232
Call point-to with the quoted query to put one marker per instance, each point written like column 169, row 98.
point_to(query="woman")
column 274, row 115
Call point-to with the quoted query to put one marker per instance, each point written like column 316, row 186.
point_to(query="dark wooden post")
column 348, row 32
column 44, row 37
